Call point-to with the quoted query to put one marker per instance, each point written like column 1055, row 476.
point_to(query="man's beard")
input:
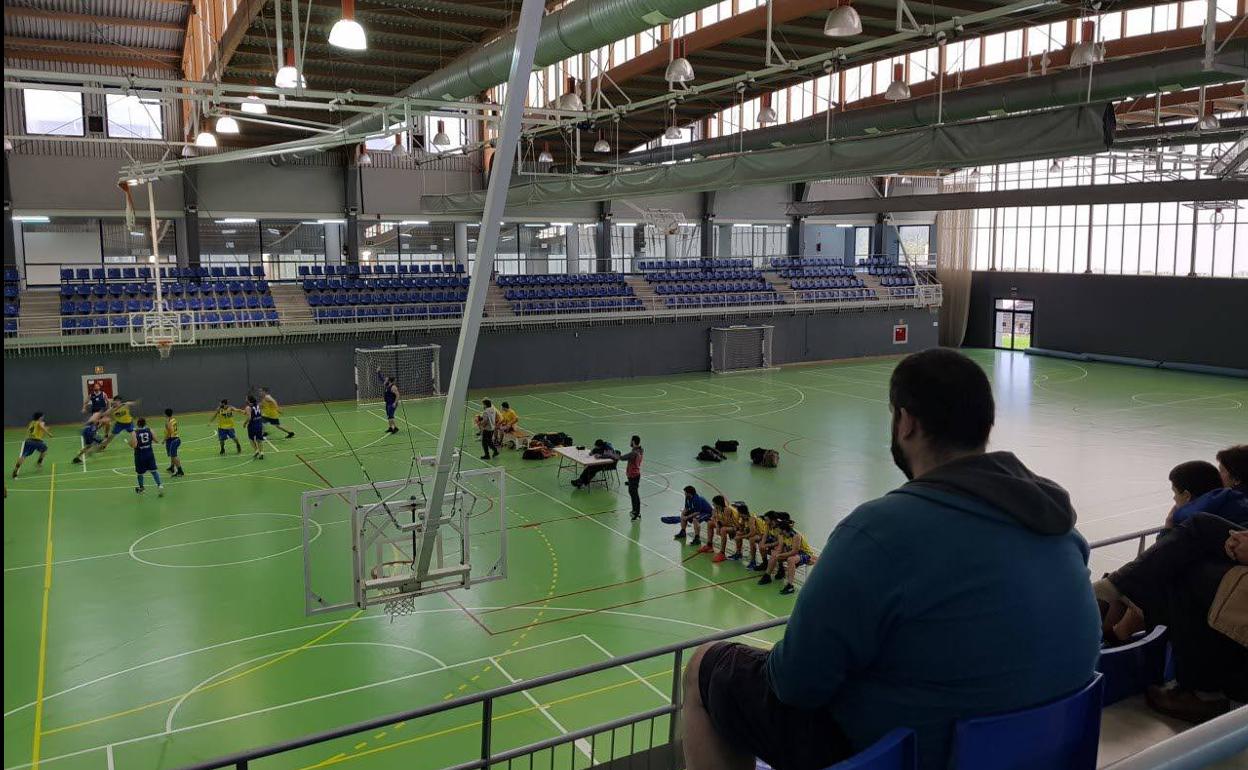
column 899, row 457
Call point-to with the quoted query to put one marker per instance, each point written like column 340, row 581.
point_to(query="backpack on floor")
column 756, row 455
column 710, row 454
column 726, row 445
column 766, row 458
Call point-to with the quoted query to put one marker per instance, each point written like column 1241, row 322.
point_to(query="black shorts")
column 732, row 680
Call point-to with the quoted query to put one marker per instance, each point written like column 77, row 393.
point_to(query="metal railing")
column 590, row 739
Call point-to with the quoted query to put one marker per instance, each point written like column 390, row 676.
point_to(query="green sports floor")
column 150, row 633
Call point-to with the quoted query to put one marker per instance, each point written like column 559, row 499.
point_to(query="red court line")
column 482, row 626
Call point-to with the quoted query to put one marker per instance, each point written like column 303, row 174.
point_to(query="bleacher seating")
column 581, row 293
column 395, row 296
column 1130, row 668
column 12, row 300
column 318, row 271
column 108, row 299
column 701, row 264
column 852, row 282
column 837, row 295
column 799, row 263
column 898, row 750
column 767, row 296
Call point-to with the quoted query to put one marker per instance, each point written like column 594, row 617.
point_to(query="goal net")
column 740, row 348
column 414, row 368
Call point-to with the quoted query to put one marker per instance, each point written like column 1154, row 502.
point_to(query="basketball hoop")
column 401, row 605
column 164, row 347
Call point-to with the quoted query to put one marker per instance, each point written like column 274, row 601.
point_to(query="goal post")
column 415, row 369
column 740, row 348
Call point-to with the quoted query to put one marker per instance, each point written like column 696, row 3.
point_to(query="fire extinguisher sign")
column 901, row 334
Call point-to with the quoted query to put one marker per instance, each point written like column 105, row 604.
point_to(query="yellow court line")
column 197, row 689
column 37, row 740
column 339, row 758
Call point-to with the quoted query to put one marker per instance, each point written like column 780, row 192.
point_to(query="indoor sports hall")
column 672, row 384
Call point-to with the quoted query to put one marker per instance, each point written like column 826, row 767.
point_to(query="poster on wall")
column 901, row 334
column 107, row 383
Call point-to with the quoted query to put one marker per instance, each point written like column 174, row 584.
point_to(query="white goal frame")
column 725, row 360
column 368, row 391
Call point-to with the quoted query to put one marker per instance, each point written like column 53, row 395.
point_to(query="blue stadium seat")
column 1129, row 669
column 1062, row 733
column 898, row 750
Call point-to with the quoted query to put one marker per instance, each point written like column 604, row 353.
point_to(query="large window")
column 760, row 241
column 134, row 117
column 53, row 113
column 862, row 242
column 914, row 243
column 123, row 245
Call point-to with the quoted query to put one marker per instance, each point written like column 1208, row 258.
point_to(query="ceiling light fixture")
column 897, row 90
column 289, row 76
column 570, row 100
column 253, row 106
column 1055, row 167
column 398, row 150
column 227, row 125
column 768, row 113
column 679, row 70
column 363, row 158
column 188, row 150
column 1208, row 121
column 347, row 32
column 843, row 21
column 545, row 156
column 673, row 134
column 441, row 139
column 205, row 138
column 602, row 145
column 1087, row 51
column 8, row 144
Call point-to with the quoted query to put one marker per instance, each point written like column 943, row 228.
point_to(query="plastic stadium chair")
column 1129, row 669
column 1060, row 734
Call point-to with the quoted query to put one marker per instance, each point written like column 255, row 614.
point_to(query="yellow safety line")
column 339, row 758
column 43, row 629
column 197, row 689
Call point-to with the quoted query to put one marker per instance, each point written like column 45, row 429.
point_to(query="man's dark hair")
column 141, row 422
column 168, row 412
column 719, row 500
column 485, row 402
column 690, row 491
column 1235, row 460
column 506, row 405
column 948, row 394
column 36, row 416
column 637, row 440
column 1195, row 477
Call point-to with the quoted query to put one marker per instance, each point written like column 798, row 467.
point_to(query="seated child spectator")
column 697, row 510
column 762, row 535
column 1231, row 501
column 736, row 528
column 723, row 516
column 508, row 420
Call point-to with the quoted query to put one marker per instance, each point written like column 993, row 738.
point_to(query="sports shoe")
column 180, row 472
column 696, row 541
column 735, row 557
column 753, row 566
column 788, row 589
column 706, row 548
column 77, row 461
column 138, row 490
column 681, row 535
column 764, row 580
column 169, row 469
column 260, row 456
column 1184, row 704
column 719, row 557
column 222, row 451
column 635, row 515
column 290, row 434
column 485, row 457
column 577, row 483
column 160, row 490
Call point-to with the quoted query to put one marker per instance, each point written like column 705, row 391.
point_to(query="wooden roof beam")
column 83, row 18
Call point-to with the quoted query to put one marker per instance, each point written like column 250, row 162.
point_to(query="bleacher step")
column 39, row 313
column 292, row 303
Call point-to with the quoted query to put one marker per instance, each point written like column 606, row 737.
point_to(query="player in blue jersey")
column 389, row 394
column 144, row 445
column 97, row 400
column 92, row 441
column 255, row 427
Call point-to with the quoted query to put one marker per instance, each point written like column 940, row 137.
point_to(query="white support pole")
column 155, row 262
column 487, row 243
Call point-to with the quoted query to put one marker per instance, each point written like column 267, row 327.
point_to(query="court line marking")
column 566, row 408
column 108, row 756
column 131, row 551
column 592, row 401
column 41, row 675
column 173, row 711
column 665, row 697
column 581, row 744
column 315, row 432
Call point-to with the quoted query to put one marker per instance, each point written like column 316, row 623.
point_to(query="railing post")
column 1143, row 546
column 487, row 714
column 677, row 659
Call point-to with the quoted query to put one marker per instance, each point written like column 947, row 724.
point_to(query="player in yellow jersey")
column 722, row 516
column 736, row 521
column 123, row 420
column 762, row 536
column 792, row 550
column 223, row 418
column 270, row 412
column 36, row 431
column 173, row 440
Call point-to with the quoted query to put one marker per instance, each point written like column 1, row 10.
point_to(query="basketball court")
column 158, row 632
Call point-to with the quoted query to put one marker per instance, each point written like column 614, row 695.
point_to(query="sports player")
column 36, row 431
column 96, row 401
column 223, row 418
column 791, row 551
column 390, row 394
column 143, row 443
column 255, row 426
column 123, row 421
column 270, row 412
column 96, row 424
column 172, row 442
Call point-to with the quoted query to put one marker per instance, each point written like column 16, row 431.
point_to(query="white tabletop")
column 582, row 456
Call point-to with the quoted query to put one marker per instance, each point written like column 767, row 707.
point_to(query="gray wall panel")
column 194, row 379
column 1188, row 320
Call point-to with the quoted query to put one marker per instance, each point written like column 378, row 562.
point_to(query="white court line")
column 581, row 744
column 825, row 389
column 564, row 408
column 592, row 401
column 666, row 698
column 108, row 756
column 315, row 432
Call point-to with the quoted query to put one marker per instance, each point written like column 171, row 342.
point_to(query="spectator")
column 1173, row 583
column 962, row 593
column 697, row 510
column 603, row 450
column 508, row 420
column 487, row 421
column 1231, row 501
column 632, row 474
